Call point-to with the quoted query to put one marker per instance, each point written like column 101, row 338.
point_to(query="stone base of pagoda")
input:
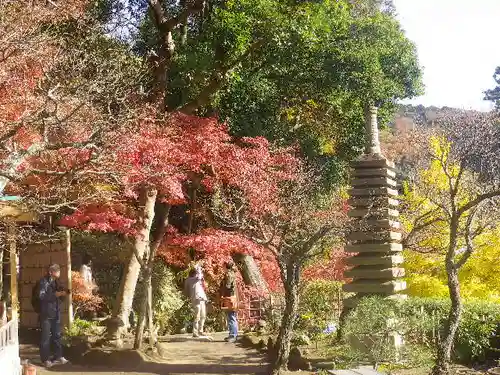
column 375, row 240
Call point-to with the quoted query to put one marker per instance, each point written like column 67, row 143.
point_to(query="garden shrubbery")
column 478, row 325
column 421, row 321
column 319, row 307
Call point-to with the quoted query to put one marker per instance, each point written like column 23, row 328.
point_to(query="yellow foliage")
column 426, row 274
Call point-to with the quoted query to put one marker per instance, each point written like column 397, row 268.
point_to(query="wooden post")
column 12, row 231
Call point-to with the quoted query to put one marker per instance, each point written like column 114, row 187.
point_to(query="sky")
column 458, row 46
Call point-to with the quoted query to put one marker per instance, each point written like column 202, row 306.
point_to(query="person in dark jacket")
column 228, row 290
column 51, row 295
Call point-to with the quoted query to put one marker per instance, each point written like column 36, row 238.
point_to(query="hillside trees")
column 457, row 204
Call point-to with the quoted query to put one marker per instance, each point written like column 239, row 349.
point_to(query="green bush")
column 319, row 305
column 421, row 322
column 167, row 299
column 370, row 329
column 479, row 323
column 79, row 328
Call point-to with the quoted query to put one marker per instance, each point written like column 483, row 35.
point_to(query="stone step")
column 373, row 212
column 352, row 302
column 365, row 162
column 371, row 286
column 387, row 260
column 374, row 181
column 373, row 172
column 373, row 202
column 359, row 371
column 361, row 272
column 374, row 248
column 375, row 236
column 373, row 192
column 378, row 224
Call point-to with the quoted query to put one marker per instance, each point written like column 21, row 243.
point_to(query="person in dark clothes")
column 51, row 295
column 229, row 301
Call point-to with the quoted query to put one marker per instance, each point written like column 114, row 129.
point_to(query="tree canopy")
column 294, row 72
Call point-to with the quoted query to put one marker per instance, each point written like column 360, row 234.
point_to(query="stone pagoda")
column 375, row 240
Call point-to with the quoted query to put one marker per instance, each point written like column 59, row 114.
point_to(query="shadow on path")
column 177, row 355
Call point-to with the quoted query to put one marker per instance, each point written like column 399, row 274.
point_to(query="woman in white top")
column 86, row 273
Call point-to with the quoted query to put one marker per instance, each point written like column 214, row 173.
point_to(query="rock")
column 261, row 346
column 296, row 361
column 271, row 348
column 246, row 341
column 325, row 365
column 359, row 371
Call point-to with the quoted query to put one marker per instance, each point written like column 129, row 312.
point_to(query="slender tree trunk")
column 445, row 344
column 284, row 339
column 151, row 328
column 139, row 332
column 128, row 282
column 146, row 303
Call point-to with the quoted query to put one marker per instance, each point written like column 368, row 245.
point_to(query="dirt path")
column 178, row 355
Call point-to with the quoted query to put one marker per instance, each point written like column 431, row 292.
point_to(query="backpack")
column 35, row 298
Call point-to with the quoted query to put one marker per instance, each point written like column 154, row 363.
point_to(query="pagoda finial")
column 372, row 135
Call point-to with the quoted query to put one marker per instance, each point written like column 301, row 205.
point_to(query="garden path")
column 177, row 355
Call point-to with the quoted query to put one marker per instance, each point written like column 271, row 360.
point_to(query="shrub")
column 421, row 321
column 167, row 299
column 79, row 328
column 370, row 329
column 479, row 323
column 320, row 304
column 83, row 299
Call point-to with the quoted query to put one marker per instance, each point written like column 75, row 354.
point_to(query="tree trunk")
column 139, row 331
column 288, row 320
column 250, row 271
column 146, row 303
column 151, row 328
column 445, row 344
column 128, row 282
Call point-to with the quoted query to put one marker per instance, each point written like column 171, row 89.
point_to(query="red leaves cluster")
column 166, row 154
column 216, row 247
column 27, row 53
column 330, row 268
column 83, row 298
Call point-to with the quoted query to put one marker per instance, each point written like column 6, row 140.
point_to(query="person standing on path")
column 195, row 290
column 229, row 301
column 86, row 273
column 51, row 294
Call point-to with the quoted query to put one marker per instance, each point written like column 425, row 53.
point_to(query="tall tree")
column 300, row 228
column 460, row 191
column 289, row 71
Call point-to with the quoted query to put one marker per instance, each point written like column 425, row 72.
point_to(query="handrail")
column 9, row 334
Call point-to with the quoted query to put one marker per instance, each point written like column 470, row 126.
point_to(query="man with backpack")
column 50, row 294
